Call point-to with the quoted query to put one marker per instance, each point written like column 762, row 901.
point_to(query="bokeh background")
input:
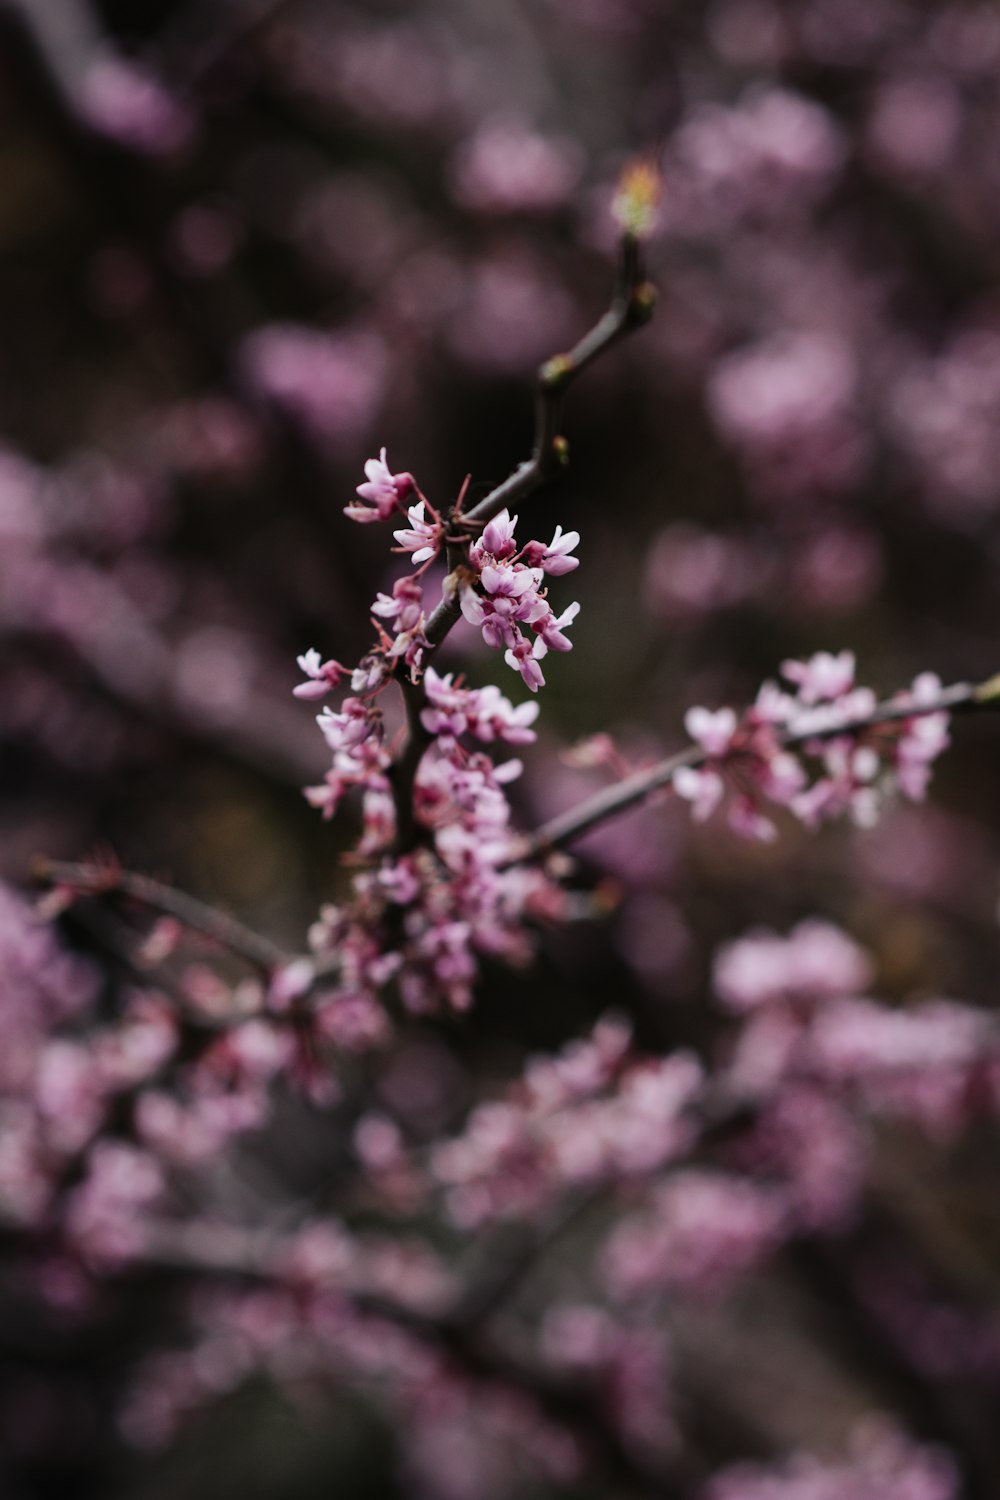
column 244, row 244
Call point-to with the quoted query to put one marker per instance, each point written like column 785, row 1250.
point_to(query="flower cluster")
column 810, row 750
column 883, row 1466
column 184, row 1081
column 448, row 888
column 590, row 1116
column 508, row 594
column 809, row 1024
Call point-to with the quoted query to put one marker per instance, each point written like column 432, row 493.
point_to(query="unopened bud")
column 636, row 202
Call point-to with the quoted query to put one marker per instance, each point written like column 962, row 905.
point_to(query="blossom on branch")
column 510, row 596
column 383, row 492
column 814, row 751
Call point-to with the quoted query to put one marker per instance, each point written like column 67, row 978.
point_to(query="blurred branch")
column 110, row 880
column 68, row 51
column 618, row 798
column 573, row 1405
column 66, row 39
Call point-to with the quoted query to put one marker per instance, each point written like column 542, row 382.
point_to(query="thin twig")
column 112, row 880
column 632, row 302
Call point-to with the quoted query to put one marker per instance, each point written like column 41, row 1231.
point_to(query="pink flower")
column 323, row 676
column 497, row 540
column 422, row 538
column 350, row 727
column 507, row 582
column 919, row 746
column 383, row 492
column 521, row 658
column 823, row 678
column 483, row 712
column 405, row 606
column 815, row 962
column 747, row 820
column 712, row 731
column 550, row 632
column 554, row 559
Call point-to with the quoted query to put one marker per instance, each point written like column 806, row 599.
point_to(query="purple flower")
column 521, row 658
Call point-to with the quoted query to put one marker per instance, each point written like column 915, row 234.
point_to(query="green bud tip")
column 988, row 691
column 556, row 370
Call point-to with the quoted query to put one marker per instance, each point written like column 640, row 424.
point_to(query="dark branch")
column 111, row 880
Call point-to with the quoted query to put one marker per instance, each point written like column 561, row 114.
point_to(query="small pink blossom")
column 422, row 538
column 405, row 605
column 323, row 676
column 505, row 582
column 702, row 788
column 497, row 540
column 550, row 631
column 712, row 731
column 383, row 492
column 746, row 819
column 521, row 658
column 823, row 678
column 554, row 559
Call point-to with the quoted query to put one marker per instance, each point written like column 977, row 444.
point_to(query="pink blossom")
column 712, row 731
column 816, row 961
column 130, row 105
column 383, row 492
column 550, row 631
column 507, row 167
column 331, row 383
column 484, row 712
column 823, row 678
column 522, row 658
column 505, row 582
column 422, row 538
column 704, row 790
column 746, row 819
column 497, row 540
column 323, row 676
column 699, row 1232
column 511, row 597
column 883, row 1466
column 553, row 559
